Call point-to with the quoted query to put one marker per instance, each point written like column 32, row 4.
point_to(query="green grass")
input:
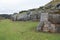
column 23, row 31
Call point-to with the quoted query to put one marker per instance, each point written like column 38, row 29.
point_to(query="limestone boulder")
column 23, row 17
column 43, row 22
column 58, row 28
column 14, row 17
column 34, row 15
column 54, row 18
column 40, row 26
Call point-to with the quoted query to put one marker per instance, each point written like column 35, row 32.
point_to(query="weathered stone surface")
column 34, row 15
column 40, row 26
column 45, row 28
column 22, row 17
column 25, row 16
column 54, row 18
column 43, row 21
column 57, row 27
column 44, row 17
column 52, row 28
column 58, row 6
column 48, row 26
column 14, row 17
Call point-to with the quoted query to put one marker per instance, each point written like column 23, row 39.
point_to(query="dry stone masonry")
column 49, row 17
column 49, row 22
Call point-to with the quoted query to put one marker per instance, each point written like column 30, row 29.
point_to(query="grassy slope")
column 23, row 31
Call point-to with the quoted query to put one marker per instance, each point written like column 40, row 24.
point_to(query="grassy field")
column 23, row 31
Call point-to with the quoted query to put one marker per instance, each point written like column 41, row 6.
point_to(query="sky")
column 12, row 6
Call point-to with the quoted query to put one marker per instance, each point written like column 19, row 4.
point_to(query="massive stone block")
column 43, row 21
column 34, row 15
column 51, row 25
column 54, row 18
column 40, row 26
column 57, row 28
column 22, row 17
column 14, row 17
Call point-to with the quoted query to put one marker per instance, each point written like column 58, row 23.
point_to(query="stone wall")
column 34, row 15
column 49, row 22
column 25, row 16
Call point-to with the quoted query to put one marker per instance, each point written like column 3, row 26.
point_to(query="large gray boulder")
column 14, row 17
column 40, row 26
column 23, row 17
column 34, row 15
column 54, row 18
column 57, row 28
column 43, row 21
column 45, row 25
